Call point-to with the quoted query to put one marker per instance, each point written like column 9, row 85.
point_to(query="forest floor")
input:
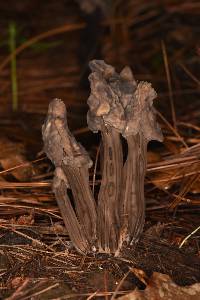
column 54, row 42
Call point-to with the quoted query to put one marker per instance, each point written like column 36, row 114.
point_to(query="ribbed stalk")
column 109, row 194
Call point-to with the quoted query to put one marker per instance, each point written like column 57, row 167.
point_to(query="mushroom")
column 71, row 171
column 104, row 115
column 140, row 127
column 119, row 107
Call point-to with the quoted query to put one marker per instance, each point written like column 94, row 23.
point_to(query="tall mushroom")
column 140, row 128
column 105, row 115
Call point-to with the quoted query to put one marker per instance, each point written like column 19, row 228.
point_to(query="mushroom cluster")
column 119, row 107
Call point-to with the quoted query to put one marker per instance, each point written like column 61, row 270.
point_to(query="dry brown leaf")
column 175, row 168
column 16, row 282
column 25, row 219
column 22, row 173
column 2, row 179
column 140, row 274
column 153, row 157
column 8, row 148
column 165, row 179
column 161, row 287
column 195, row 189
column 11, row 156
column 58, row 228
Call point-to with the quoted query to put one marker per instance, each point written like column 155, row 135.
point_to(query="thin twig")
column 166, row 63
column 194, row 78
column 172, row 129
column 188, row 236
column 41, row 292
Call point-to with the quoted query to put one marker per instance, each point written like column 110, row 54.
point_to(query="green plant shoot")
column 12, row 47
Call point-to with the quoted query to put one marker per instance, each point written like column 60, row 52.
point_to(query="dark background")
column 120, row 32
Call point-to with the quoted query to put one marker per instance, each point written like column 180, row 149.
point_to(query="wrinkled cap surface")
column 116, row 100
column 59, row 144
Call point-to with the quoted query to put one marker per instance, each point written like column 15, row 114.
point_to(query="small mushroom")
column 71, row 162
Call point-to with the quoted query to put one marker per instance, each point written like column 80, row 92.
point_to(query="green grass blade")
column 12, row 46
